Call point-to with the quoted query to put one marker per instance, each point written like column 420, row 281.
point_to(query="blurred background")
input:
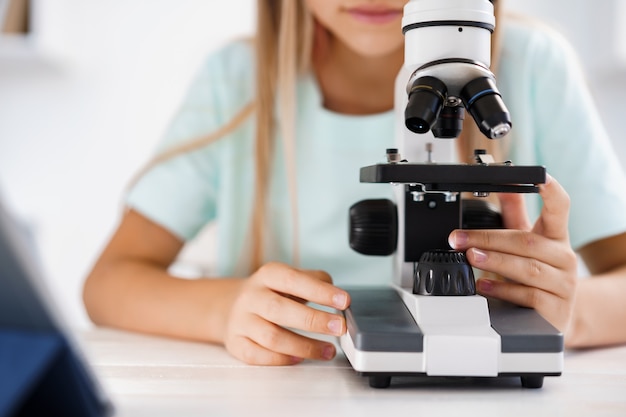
column 88, row 86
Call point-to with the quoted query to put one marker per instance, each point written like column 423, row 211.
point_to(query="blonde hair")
column 283, row 51
column 284, row 43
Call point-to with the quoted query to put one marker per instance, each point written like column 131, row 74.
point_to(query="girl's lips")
column 374, row 15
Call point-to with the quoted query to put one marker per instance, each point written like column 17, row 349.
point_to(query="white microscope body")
column 430, row 321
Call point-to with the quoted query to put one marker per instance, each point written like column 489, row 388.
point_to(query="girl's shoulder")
column 526, row 39
column 220, row 88
column 231, row 61
column 236, row 55
column 225, row 81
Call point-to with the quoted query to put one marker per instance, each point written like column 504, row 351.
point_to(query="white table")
column 151, row 376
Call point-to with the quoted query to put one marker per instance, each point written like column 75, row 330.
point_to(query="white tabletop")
column 152, row 376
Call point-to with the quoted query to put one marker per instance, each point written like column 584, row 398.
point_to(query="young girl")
column 269, row 142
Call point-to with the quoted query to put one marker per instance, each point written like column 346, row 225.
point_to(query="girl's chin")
column 368, row 50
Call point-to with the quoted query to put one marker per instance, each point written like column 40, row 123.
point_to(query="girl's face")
column 368, row 27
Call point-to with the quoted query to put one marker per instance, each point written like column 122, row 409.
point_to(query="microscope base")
column 392, row 332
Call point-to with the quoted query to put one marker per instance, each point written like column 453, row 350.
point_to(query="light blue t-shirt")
column 555, row 124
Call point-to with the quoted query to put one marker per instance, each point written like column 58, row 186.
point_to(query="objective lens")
column 426, row 98
column 482, row 99
column 449, row 124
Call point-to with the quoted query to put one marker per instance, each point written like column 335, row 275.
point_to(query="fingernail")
column 479, row 256
column 548, row 178
column 458, row 239
column 484, row 285
column 296, row 360
column 335, row 326
column 339, row 300
column 328, row 352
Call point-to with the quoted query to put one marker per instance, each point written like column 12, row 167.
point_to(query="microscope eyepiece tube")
column 483, row 101
column 426, row 98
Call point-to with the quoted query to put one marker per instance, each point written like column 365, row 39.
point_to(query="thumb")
column 514, row 215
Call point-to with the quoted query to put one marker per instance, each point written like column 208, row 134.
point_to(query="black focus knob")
column 480, row 214
column 443, row 272
column 374, row 227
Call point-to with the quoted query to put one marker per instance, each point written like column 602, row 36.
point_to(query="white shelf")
column 17, row 48
column 23, row 52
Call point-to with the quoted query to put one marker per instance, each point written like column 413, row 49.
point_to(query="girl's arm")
column 130, row 288
column 600, row 304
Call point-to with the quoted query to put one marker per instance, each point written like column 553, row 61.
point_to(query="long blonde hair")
column 283, row 51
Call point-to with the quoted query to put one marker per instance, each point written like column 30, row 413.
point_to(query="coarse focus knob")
column 480, row 214
column 374, row 227
column 443, row 272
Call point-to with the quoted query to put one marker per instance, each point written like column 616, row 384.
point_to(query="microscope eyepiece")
column 483, row 101
column 426, row 97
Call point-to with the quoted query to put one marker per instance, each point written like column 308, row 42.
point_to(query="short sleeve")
column 181, row 194
column 569, row 138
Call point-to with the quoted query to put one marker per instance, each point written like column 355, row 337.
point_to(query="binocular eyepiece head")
column 430, row 107
column 449, row 42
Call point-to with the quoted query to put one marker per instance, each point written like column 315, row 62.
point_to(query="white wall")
column 81, row 105
column 597, row 30
column 83, row 102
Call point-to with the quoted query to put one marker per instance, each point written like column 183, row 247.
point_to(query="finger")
column 517, row 294
column 321, row 275
column 553, row 219
column 252, row 353
column 308, row 286
column 281, row 340
column 552, row 308
column 514, row 242
column 514, row 214
column 526, row 271
column 285, row 312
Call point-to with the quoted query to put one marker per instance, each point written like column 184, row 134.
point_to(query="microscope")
column 429, row 321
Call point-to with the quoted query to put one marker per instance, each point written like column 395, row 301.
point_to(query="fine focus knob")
column 443, row 272
column 374, row 227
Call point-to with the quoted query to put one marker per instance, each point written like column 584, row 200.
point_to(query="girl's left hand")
column 538, row 261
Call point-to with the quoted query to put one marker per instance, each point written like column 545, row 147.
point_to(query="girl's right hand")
column 271, row 302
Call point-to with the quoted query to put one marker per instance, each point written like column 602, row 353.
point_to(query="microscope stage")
column 458, row 177
column 392, row 332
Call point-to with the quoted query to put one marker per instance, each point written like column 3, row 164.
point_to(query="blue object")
column 40, row 375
